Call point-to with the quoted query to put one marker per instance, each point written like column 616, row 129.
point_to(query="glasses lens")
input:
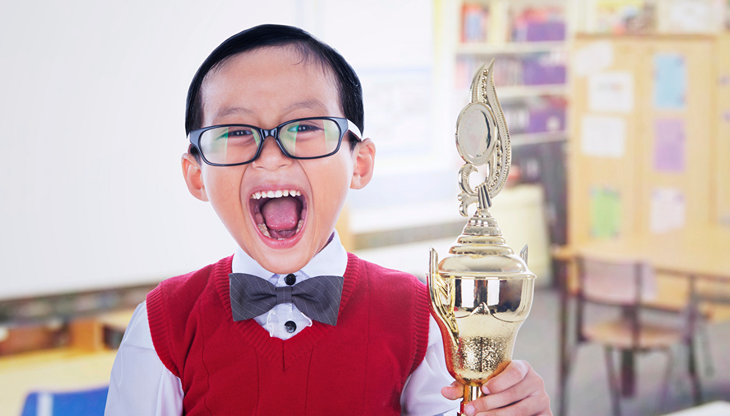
column 310, row 138
column 230, row 145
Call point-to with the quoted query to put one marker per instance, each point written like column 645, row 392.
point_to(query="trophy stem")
column 470, row 393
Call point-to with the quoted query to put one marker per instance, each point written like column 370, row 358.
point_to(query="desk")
column 86, row 364
column 54, row 370
column 700, row 256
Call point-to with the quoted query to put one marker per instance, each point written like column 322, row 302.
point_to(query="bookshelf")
column 529, row 41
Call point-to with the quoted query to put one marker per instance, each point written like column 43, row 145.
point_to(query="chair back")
column 621, row 283
column 615, row 282
column 75, row 403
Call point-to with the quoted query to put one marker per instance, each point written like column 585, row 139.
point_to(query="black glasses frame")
column 343, row 124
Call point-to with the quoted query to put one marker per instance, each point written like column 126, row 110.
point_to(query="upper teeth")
column 275, row 194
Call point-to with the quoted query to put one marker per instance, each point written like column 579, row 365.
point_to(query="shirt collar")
column 332, row 261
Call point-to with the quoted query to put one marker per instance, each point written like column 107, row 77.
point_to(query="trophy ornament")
column 482, row 138
column 482, row 291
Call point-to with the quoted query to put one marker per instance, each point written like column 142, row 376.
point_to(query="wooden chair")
column 627, row 286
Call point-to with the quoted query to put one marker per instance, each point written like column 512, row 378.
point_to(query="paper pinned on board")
column 592, row 58
column 668, row 210
column 669, row 145
column 611, row 92
column 603, row 136
column 670, row 81
column 605, row 213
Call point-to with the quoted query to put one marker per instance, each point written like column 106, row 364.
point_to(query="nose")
column 271, row 156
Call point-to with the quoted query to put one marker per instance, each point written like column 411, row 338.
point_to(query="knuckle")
column 482, row 404
column 544, row 402
column 509, row 396
column 514, row 410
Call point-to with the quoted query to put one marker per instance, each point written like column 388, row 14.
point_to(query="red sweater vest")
column 358, row 366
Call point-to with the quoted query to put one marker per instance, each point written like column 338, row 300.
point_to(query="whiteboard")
column 92, row 103
column 92, row 108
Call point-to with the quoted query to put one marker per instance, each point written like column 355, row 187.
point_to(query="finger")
column 454, row 391
column 513, row 374
column 536, row 405
column 530, row 386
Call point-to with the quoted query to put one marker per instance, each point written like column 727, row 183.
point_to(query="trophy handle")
column 442, row 295
column 523, row 253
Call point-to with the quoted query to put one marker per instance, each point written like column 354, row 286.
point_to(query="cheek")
column 223, row 190
column 334, row 193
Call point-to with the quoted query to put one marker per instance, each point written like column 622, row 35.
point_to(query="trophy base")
column 470, row 393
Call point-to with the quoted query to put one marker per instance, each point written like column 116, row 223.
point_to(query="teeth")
column 264, row 230
column 275, row 194
column 299, row 225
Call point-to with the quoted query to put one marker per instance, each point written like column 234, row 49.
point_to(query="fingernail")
column 469, row 409
column 485, row 389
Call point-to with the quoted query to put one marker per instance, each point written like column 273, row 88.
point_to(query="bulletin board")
column 650, row 136
column 604, row 118
column 722, row 162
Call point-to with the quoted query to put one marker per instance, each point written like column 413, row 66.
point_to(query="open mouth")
column 278, row 214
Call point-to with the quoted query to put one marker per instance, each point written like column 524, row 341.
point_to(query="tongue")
column 282, row 213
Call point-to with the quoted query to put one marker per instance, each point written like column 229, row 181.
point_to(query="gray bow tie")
column 318, row 297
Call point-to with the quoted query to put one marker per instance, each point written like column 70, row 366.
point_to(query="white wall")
column 92, row 98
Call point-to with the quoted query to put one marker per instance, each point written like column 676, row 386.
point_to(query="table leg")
column 628, row 376
column 691, row 347
column 563, row 364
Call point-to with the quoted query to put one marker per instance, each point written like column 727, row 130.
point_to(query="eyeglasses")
column 304, row 138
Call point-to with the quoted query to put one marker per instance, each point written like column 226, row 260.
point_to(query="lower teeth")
column 265, row 230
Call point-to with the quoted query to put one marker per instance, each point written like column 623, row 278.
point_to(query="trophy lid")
column 481, row 252
column 482, row 138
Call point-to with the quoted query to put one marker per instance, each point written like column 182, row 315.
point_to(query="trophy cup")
column 481, row 292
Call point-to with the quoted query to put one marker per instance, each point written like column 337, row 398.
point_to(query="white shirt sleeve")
column 140, row 384
column 422, row 393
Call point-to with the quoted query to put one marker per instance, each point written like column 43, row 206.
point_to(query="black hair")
column 348, row 83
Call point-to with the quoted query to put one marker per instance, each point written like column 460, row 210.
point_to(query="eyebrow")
column 226, row 111
column 312, row 104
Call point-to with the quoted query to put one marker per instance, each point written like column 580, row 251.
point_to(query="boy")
column 291, row 322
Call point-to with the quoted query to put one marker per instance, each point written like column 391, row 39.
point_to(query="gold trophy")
column 481, row 292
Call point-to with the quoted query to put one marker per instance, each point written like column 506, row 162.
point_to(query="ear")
column 364, row 163
column 193, row 176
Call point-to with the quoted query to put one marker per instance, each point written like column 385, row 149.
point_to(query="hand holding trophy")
column 482, row 292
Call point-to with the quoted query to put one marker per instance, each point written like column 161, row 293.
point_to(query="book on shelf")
column 474, row 22
column 532, row 69
column 537, row 24
column 535, row 115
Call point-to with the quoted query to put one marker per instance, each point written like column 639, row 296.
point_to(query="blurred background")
column 619, row 114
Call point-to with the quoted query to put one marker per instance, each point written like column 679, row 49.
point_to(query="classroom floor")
column 537, row 342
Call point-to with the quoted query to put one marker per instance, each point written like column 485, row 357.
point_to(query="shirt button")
column 290, row 326
column 290, row 279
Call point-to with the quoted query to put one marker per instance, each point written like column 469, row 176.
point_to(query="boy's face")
column 265, row 88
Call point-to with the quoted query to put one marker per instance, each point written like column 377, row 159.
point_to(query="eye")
column 239, row 132
column 302, row 128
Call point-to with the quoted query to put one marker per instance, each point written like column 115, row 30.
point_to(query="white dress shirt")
column 141, row 384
